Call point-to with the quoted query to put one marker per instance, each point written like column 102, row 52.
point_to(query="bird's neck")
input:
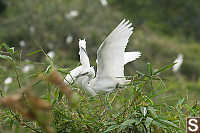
column 86, row 85
column 85, row 81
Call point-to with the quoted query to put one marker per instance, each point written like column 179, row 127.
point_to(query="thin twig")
column 18, row 78
column 27, row 126
column 23, row 124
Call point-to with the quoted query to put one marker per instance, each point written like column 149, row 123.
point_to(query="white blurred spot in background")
column 28, row 68
column 178, row 61
column 8, row 80
column 104, row 2
column 51, row 54
column 69, row 39
column 22, row 43
column 32, row 29
column 72, row 14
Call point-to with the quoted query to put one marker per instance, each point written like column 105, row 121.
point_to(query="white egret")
column 111, row 58
column 178, row 61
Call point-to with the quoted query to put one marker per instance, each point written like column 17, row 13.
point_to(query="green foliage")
column 124, row 110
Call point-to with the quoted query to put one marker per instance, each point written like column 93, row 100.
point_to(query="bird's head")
column 82, row 43
column 90, row 72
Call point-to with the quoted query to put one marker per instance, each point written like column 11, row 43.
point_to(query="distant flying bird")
column 111, row 58
column 178, row 61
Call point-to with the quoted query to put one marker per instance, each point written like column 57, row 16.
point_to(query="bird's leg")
column 91, row 91
column 106, row 103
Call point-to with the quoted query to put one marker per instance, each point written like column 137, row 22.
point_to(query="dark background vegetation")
column 168, row 16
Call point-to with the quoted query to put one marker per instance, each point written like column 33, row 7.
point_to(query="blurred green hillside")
column 163, row 29
column 45, row 23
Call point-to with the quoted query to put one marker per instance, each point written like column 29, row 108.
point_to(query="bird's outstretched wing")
column 110, row 55
column 131, row 56
column 84, row 59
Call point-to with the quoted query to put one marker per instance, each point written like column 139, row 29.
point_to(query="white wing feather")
column 131, row 56
column 110, row 54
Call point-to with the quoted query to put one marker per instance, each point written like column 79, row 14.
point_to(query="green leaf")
column 148, row 121
column 34, row 52
column 63, row 70
column 149, row 100
column 11, row 50
column 153, row 112
column 149, row 66
column 48, row 69
column 158, row 124
column 169, row 123
column 5, row 57
column 164, row 68
column 140, row 73
column 111, row 128
column 8, row 49
column 128, row 123
column 109, row 123
column 180, row 102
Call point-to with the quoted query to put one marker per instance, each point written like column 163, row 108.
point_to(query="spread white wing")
column 110, row 55
column 131, row 56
